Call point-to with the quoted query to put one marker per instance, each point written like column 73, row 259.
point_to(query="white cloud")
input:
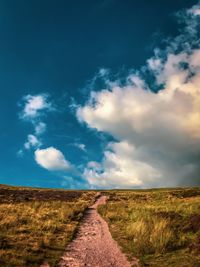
column 94, row 165
column 158, row 133
column 20, row 153
column 34, row 107
column 40, row 128
column 32, row 142
column 34, row 104
column 195, row 10
column 52, row 159
column 80, row 146
column 120, row 168
column 70, row 182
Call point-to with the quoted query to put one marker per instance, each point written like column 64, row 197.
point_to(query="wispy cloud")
column 34, row 105
column 32, row 141
column 34, row 108
column 158, row 134
column 40, row 128
column 80, row 146
column 20, row 153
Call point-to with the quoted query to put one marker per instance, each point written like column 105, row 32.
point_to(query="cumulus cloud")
column 52, row 159
column 158, row 134
column 120, row 168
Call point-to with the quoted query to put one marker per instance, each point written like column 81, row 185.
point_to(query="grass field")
column 37, row 224
column 159, row 227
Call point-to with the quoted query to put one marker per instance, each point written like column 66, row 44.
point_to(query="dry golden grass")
column 160, row 227
column 36, row 230
column 150, row 235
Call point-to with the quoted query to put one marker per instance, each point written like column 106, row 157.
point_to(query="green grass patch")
column 161, row 227
column 36, row 225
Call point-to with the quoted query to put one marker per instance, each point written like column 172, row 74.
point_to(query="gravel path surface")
column 94, row 245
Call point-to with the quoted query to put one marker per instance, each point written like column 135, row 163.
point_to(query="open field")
column 160, row 227
column 37, row 224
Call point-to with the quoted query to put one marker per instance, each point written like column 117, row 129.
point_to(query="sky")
column 100, row 94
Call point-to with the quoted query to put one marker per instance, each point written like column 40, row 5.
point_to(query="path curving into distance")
column 94, row 245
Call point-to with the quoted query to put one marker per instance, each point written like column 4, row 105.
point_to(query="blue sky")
column 99, row 94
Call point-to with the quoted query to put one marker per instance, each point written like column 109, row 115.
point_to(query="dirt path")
column 94, row 245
